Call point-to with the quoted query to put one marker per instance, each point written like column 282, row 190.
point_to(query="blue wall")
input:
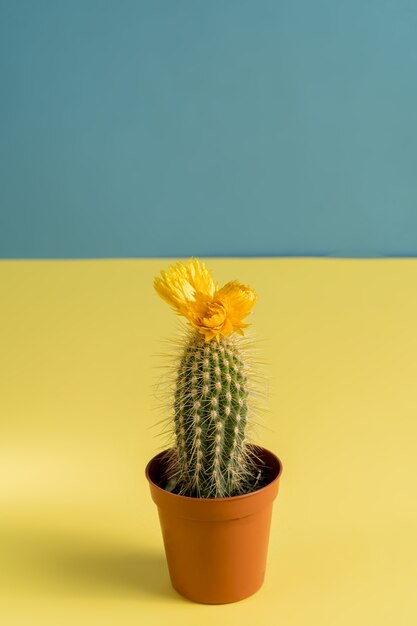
column 172, row 128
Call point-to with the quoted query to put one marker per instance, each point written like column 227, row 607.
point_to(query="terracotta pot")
column 216, row 548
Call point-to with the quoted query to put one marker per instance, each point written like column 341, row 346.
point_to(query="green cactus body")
column 210, row 416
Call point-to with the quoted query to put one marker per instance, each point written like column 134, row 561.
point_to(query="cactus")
column 210, row 414
column 210, row 457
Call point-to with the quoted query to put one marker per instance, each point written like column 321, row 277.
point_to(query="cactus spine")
column 210, row 415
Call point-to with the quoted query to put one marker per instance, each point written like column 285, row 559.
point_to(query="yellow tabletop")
column 83, row 345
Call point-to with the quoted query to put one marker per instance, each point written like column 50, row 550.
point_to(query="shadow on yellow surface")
column 72, row 564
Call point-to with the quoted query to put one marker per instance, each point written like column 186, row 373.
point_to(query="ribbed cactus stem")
column 210, row 415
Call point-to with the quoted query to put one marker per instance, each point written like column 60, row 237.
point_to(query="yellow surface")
column 79, row 359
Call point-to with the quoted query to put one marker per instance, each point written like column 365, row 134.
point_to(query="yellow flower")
column 180, row 286
column 191, row 292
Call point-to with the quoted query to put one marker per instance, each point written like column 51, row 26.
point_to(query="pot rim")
column 242, row 496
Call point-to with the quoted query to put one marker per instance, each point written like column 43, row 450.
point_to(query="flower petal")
column 238, row 299
column 179, row 286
